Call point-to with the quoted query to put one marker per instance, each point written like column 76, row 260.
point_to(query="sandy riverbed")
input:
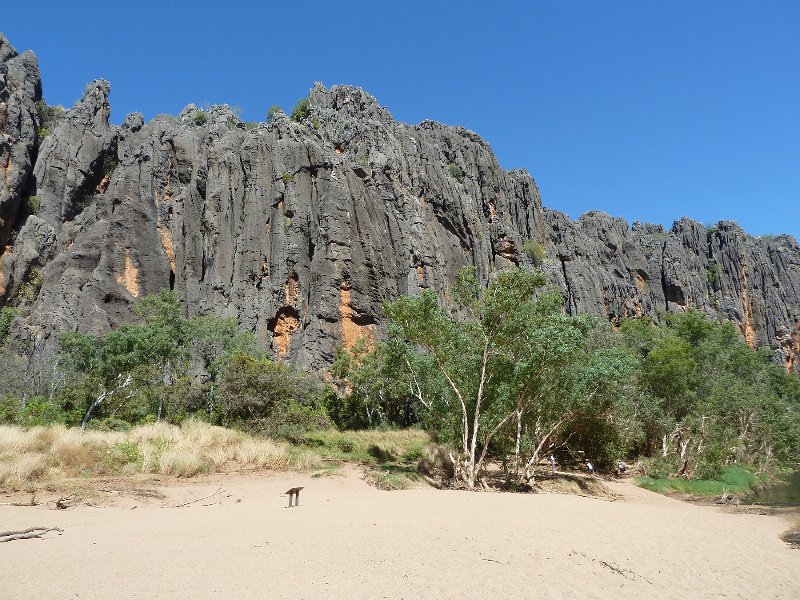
column 349, row 540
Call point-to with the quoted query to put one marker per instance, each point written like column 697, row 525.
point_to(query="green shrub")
column 110, row 163
column 273, row 110
column 200, row 118
column 40, row 411
column 263, row 394
column 711, row 461
column 9, row 409
column 49, row 116
column 33, row 204
column 30, row 289
column 293, row 420
column 393, row 477
column 713, row 272
column 301, row 110
column 455, row 171
column 534, row 251
column 659, row 467
column 121, row 455
column 286, row 177
column 7, row 314
column 110, row 424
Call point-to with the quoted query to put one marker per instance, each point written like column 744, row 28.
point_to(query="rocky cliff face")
column 20, row 88
column 302, row 230
column 605, row 267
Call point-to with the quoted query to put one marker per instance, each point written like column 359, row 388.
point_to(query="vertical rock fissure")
column 664, row 277
column 566, row 284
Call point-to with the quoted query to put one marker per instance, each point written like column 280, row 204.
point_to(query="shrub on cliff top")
column 301, row 110
column 49, row 116
column 273, row 110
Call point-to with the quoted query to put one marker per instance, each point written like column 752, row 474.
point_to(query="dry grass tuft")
column 154, row 432
column 262, row 454
column 24, row 468
column 181, row 463
column 74, row 455
column 195, row 447
column 14, row 440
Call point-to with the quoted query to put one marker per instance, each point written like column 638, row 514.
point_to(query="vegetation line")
column 500, row 379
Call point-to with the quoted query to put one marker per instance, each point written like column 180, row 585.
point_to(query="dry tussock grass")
column 181, row 463
column 27, row 456
column 73, row 455
column 22, row 469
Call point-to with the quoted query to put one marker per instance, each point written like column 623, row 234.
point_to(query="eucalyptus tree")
column 151, row 354
column 506, row 356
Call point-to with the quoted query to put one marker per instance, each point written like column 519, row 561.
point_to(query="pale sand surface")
column 348, row 540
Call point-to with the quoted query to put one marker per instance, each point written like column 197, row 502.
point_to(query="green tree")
column 506, row 356
column 376, row 386
column 122, row 361
column 708, row 400
column 270, row 396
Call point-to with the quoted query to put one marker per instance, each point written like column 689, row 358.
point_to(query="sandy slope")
column 348, row 540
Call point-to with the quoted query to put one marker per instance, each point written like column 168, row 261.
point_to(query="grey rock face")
column 20, row 88
column 299, row 230
column 303, row 230
column 606, row 268
column 69, row 171
column 70, row 165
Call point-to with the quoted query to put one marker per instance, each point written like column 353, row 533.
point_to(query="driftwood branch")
column 26, row 534
column 63, row 503
column 219, row 490
column 626, row 573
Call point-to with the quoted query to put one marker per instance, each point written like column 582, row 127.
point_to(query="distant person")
column 589, row 468
column 622, row 468
column 553, row 462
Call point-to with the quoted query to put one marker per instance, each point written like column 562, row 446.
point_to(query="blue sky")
column 646, row 110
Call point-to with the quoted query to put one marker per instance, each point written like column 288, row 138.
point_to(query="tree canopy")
column 498, row 373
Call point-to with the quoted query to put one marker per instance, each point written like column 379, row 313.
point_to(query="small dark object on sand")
column 294, row 493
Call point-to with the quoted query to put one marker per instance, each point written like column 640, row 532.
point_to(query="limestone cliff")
column 302, row 230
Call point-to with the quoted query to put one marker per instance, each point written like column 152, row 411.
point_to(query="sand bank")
column 349, row 540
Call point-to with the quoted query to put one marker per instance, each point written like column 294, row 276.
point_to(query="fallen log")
column 26, row 534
